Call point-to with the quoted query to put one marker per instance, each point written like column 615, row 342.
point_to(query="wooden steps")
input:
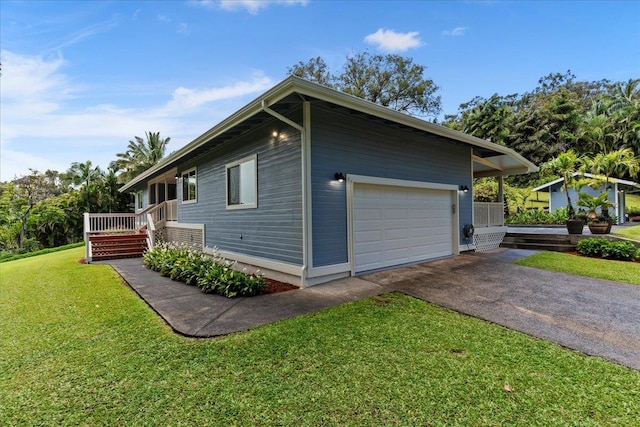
column 113, row 246
column 542, row 242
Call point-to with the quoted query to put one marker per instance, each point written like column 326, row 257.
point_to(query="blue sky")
column 81, row 79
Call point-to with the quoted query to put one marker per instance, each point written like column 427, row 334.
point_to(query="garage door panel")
column 369, row 236
column 396, row 225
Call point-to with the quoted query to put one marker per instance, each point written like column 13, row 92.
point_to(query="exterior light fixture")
column 339, row 176
column 177, row 176
column 274, row 134
column 464, row 188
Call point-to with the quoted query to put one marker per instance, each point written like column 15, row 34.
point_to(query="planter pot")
column 600, row 228
column 575, row 226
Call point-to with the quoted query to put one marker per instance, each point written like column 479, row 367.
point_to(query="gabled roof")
column 589, row 175
column 489, row 159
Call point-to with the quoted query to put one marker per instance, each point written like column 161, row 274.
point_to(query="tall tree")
column 141, row 155
column 565, row 164
column 389, row 80
column 85, row 175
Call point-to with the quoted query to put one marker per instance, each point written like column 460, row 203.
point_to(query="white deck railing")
column 106, row 223
column 488, row 214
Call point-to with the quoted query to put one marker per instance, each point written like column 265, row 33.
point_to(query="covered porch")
column 488, row 217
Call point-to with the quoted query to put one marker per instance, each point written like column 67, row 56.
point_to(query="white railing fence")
column 118, row 223
column 488, row 214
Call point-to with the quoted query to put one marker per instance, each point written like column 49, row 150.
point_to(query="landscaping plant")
column 212, row 274
column 603, row 248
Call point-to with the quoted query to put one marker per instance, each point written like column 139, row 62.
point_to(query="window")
column 242, row 184
column 139, row 201
column 189, row 186
column 152, row 194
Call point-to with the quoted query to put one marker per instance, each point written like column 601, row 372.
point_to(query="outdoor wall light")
column 275, row 134
column 339, row 176
column 177, row 176
column 464, row 188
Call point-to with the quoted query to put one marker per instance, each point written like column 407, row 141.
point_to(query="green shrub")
column 537, row 217
column 603, row 248
column 239, row 284
column 212, row 274
column 623, row 251
column 592, row 246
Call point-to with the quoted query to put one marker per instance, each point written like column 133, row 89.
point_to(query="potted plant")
column 565, row 165
column 598, row 222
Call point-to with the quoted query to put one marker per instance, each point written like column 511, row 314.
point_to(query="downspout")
column 304, row 139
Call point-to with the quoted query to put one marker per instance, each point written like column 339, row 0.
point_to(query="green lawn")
column 80, row 348
column 621, row 271
column 633, row 202
column 629, row 232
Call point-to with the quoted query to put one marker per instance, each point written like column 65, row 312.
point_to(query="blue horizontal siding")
column 274, row 229
column 352, row 144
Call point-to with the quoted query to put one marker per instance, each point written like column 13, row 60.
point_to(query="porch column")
column 501, row 189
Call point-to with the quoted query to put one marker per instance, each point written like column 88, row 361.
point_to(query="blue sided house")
column 316, row 185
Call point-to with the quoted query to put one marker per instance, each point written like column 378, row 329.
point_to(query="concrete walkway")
column 596, row 317
column 192, row 313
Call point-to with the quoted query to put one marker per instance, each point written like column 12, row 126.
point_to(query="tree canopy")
column 389, row 80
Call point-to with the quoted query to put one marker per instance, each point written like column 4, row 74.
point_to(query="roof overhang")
column 589, row 175
column 489, row 159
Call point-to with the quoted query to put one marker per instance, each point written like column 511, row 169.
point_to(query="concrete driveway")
column 596, row 317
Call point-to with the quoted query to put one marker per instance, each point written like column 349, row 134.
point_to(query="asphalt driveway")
column 596, row 317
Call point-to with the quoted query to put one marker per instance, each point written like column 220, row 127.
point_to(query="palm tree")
column 565, row 164
column 141, row 155
column 84, row 175
column 614, row 164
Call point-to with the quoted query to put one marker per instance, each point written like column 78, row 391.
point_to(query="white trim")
column 282, row 267
column 590, row 175
column 363, row 179
column 182, row 174
column 328, row 270
column 307, row 208
column 176, row 224
column 139, row 200
column 238, row 163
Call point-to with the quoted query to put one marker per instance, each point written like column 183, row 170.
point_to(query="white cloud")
column 185, row 100
column 456, row 32
column 163, row 18
column 390, row 41
column 252, row 6
column 183, row 28
column 43, row 127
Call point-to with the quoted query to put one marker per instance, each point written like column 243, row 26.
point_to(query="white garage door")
column 398, row 225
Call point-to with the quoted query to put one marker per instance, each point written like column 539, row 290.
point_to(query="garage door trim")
column 361, row 179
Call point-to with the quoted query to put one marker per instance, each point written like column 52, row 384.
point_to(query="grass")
column 80, row 348
column 620, row 271
column 6, row 257
column 633, row 202
column 629, row 232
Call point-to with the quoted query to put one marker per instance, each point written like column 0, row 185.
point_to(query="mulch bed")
column 274, row 287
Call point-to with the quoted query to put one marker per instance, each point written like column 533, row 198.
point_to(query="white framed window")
column 189, row 186
column 242, row 183
column 139, row 201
